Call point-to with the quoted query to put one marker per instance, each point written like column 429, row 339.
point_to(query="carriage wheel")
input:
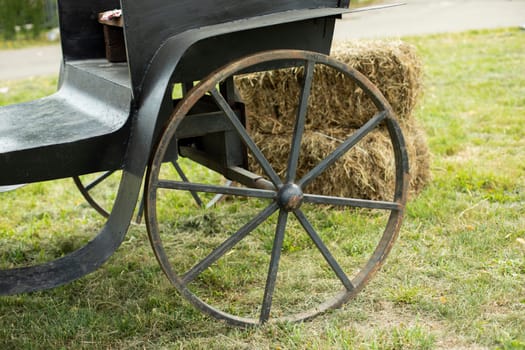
column 282, row 250
column 103, row 184
column 99, row 189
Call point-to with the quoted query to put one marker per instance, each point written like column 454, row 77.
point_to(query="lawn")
column 454, row 279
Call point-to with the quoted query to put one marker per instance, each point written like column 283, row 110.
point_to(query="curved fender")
column 154, row 90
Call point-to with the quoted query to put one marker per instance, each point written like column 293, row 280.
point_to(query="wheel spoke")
column 198, row 187
column 223, row 104
column 140, row 211
column 351, row 202
column 98, row 180
column 274, row 266
column 301, row 121
column 324, row 250
column 185, row 179
column 227, row 245
column 342, row 149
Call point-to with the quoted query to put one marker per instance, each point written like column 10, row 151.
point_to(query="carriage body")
column 109, row 116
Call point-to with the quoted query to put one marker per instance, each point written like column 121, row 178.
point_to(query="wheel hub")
column 290, row 197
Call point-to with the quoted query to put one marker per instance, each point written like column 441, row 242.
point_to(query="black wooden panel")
column 82, row 128
column 105, row 152
column 150, row 23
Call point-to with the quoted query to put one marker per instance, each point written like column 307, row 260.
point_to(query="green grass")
column 455, row 278
column 26, row 90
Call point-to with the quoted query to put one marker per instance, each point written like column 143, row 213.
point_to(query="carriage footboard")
column 72, row 132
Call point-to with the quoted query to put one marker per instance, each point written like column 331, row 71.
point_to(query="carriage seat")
column 81, row 128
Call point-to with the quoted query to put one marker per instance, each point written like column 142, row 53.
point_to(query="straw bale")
column 336, row 108
column 367, row 171
column 418, row 154
column 392, row 66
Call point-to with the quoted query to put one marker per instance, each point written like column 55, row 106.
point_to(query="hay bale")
column 336, row 108
column 392, row 66
column 367, row 171
column 418, row 155
column 364, row 172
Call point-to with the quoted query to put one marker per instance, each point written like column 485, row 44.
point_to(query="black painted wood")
column 84, row 127
column 80, row 129
column 214, row 52
column 149, row 24
column 81, row 35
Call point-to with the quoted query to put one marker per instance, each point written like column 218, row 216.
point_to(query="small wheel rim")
column 396, row 205
column 85, row 191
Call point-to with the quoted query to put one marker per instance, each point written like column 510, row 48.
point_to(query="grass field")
column 455, row 278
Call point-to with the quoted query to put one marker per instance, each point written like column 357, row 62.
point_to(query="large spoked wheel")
column 279, row 249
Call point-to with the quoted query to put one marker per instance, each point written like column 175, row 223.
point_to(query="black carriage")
column 122, row 116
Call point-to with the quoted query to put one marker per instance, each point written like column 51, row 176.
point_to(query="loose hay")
column 336, row 108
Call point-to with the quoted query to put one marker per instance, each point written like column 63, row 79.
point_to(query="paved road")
column 35, row 61
column 431, row 16
column 416, row 17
